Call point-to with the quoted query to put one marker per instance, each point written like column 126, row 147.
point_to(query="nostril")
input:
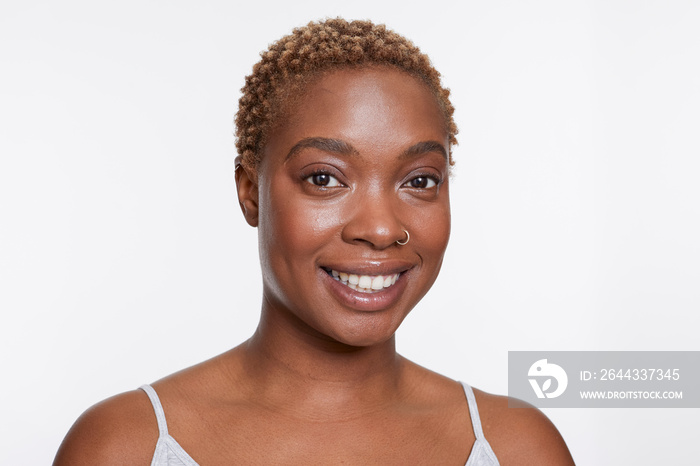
column 373, row 223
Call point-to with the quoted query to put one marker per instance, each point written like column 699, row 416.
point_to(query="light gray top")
column 170, row 453
column 482, row 454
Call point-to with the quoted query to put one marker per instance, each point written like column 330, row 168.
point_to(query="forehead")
column 368, row 108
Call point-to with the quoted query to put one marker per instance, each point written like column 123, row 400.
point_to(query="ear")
column 247, row 187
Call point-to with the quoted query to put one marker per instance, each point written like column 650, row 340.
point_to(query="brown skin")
column 320, row 381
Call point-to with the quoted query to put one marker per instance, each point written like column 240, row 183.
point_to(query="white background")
column 123, row 255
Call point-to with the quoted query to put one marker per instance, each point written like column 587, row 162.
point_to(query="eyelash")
column 429, row 177
column 309, row 178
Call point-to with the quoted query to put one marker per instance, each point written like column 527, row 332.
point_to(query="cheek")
column 293, row 227
column 432, row 225
column 437, row 233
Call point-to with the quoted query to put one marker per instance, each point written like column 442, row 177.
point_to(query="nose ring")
column 403, row 243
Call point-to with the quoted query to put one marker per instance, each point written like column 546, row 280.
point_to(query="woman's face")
column 360, row 159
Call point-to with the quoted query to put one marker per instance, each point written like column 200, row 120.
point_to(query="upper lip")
column 372, row 267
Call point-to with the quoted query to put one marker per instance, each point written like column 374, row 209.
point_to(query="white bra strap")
column 473, row 411
column 158, row 408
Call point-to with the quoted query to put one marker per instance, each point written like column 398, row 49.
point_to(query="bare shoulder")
column 431, row 385
column 119, row 430
column 519, row 433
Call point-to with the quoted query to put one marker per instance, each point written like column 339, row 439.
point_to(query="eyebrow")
column 335, row 146
column 423, row 148
column 338, row 146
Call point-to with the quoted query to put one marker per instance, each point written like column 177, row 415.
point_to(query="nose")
column 374, row 221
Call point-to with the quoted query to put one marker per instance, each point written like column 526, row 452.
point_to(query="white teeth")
column 365, row 283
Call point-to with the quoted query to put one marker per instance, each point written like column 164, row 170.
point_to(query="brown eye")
column 323, row 180
column 422, row 182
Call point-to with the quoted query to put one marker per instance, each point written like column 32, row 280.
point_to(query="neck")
column 292, row 366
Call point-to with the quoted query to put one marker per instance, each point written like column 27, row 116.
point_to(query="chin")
column 366, row 332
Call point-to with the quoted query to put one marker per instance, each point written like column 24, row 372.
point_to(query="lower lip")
column 367, row 302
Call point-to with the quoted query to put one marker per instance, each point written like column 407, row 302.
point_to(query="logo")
column 546, row 371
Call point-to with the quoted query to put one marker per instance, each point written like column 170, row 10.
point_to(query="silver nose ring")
column 403, row 243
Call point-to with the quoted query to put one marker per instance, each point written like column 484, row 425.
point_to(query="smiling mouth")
column 363, row 283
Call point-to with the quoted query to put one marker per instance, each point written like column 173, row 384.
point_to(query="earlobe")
column 247, row 187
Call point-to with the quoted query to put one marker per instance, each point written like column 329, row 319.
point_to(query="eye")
column 323, row 180
column 421, row 182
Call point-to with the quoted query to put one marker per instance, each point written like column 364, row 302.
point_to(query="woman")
column 344, row 136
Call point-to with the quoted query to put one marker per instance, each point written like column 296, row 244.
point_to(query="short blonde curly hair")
column 294, row 60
